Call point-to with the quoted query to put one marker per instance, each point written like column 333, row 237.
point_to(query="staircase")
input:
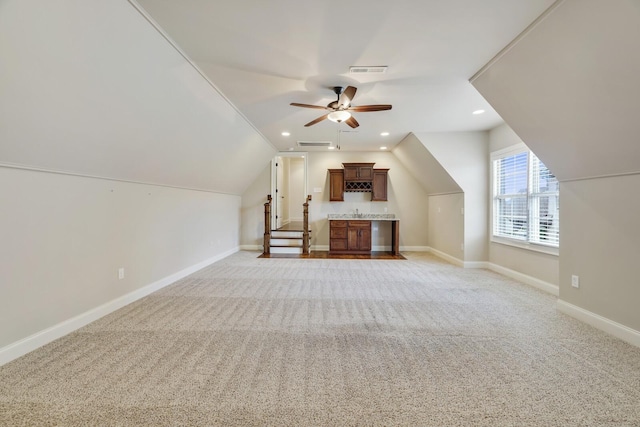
column 287, row 240
column 293, row 238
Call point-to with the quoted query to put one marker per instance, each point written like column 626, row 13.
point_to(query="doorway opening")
column 288, row 189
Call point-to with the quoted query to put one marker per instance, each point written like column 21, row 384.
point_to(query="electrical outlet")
column 575, row 281
column 121, row 273
column 462, row 247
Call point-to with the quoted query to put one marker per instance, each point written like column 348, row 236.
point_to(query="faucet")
column 357, row 215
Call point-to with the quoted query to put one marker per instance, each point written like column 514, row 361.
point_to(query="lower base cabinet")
column 349, row 236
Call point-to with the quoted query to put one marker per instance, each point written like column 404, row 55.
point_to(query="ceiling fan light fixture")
column 339, row 116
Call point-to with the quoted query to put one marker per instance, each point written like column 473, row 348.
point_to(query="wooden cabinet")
column 379, row 185
column 358, row 177
column 352, row 236
column 338, row 236
column 336, row 185
column 358, row 172
column 359, row 236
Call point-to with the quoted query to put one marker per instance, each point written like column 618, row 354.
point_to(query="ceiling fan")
column 340, row 109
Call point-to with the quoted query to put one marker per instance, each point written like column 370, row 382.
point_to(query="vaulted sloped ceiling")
column 424, row 167
column 92, row 88
column 569, row 88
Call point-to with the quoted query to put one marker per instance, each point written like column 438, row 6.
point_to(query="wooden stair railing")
column 266, row 249
column 305, row 226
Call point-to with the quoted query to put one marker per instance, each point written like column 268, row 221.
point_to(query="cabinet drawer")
column 338, row 224
column 360, row 224
column 338, row 245
column 338, row 233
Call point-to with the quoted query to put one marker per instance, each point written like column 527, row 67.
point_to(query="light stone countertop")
column 365, row 216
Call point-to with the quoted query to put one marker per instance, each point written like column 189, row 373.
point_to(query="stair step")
column 286, row 234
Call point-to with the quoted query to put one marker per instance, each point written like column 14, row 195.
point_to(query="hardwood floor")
column 326, row 255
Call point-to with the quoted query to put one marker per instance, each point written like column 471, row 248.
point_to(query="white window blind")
column 526, row 202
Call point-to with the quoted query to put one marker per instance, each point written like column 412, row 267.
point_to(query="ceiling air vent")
column 314, row 143
column 368, row 70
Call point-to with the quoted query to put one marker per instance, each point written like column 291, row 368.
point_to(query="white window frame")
column 524, row 244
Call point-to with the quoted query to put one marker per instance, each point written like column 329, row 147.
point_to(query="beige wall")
column 600, row 236
column 253, row 200
column 65, row 237
column 406, row 198
column 296, row 188
column 569, row 88
column 541, row 266
column 93, row 88
column 424, row 167
column 580, row 118
column 464, row 156
column 134, row 112
column 446, row 224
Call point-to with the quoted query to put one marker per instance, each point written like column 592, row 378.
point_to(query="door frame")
column 298, row 154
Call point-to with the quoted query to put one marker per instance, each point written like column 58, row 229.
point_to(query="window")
column 525, row 198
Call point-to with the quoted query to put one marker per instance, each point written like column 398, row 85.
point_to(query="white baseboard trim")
column 414, row 249
column 32, row 342
column 524, row 278
column 616, row 329
column 453, row 260
column 251, row 248
column 476, row 264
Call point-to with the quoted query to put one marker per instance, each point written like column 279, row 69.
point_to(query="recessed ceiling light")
column 478, row 112
column 384, row 134
column 331, row 148
column 383, row 148
column 285, row 133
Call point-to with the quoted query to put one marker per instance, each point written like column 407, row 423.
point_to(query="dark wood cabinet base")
column 354, row 237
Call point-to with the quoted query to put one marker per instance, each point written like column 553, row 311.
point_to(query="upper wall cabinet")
column 379, row 185
column 358, row 172
column 358, row 177
column 336, row 185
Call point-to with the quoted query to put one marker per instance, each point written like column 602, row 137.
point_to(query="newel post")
column 267, row 226
column 305, row 226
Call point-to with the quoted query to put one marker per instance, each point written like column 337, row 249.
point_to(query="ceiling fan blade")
column 351, row 121
column 347, row 96
column 366, row 108
column 318, row 120
column 318, row 107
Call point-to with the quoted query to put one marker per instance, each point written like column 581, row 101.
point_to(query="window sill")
column 549, row 250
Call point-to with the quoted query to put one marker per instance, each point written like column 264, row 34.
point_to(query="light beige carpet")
column 309, row 342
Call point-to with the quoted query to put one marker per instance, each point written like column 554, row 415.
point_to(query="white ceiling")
column 262, row 55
